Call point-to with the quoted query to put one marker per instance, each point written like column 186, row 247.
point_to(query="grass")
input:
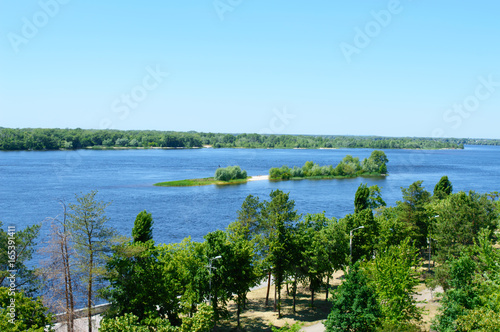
column 199, row 182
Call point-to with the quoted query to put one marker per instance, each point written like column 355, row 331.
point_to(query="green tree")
column 394, row 275
column 17, row 248
column 462, row 295
column 443, row 188
column 92, row 240
column 414, row 214
column 279, row 216
column 460, row 219
column 361, row 198
column 19, row 313
column 364, row 240
column 143, row 227
column 354, row 304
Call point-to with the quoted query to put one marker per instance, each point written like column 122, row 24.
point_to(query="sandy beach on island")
column 259, row 178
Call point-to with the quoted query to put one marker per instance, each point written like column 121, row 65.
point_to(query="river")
column 33, row 182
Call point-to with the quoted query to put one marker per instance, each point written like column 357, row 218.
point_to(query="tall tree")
column 361, row 198
column 57, row 269
column 355, row 306
column 414, row 214
column 443, row 188
column 394, row 275
column 92, row 240
column 143, row 227
column 280, row 216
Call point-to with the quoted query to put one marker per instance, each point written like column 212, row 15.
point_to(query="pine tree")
column 355, row 306
column 143, row 227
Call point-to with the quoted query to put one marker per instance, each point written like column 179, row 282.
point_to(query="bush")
column 230, row 173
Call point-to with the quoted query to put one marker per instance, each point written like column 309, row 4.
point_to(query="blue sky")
column 389, row 68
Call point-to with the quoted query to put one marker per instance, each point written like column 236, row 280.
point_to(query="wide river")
column 31, row 183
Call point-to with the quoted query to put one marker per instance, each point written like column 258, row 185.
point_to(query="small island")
column 223, row 176
column 349, row 167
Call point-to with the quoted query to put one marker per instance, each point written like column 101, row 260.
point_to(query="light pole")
column 350, row 241
column 210, row 278
column 429, row 239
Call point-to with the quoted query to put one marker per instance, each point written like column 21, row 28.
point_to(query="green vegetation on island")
column 375, row 165
column 69, row 139
column 223, row 176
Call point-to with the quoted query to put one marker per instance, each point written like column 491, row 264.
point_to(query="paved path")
column 314, row 328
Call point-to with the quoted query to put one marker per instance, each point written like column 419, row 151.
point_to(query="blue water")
column 31, row 183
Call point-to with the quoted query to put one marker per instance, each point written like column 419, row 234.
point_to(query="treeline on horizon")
column 70, row 139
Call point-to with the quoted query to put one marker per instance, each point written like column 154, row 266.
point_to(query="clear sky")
column 389, row 68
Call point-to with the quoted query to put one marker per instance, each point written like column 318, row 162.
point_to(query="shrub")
column 230, row 173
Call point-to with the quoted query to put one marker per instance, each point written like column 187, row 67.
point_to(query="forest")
column 187, row 286
column 55, row 139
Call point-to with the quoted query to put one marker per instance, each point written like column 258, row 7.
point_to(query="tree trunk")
column 327, row 287
column 312, row 294
column 89, row 295
column 238, row 312
column 268, row 287
column 70, row 305
column 294, row 290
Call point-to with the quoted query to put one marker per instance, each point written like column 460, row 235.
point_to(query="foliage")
column 361, row 198
column 413, row 213
column 460, row 219
column 443, row 188
column 461, row 297
column 349, row 166
column 131, row 323
column 143, row 227
column 393, row 275
column 230, row 173
column 201, row 321
column 19, row 313
column 364, row 240
column 24, row 243
column 355, row 306
column 473, row 301
column 288, row 328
